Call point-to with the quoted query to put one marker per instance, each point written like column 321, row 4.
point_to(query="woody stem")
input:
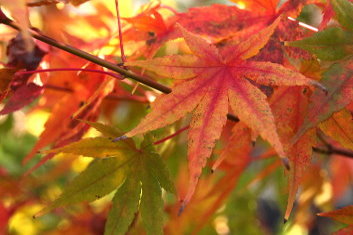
column 96, row 60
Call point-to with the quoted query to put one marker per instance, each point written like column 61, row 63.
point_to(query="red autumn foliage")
column 258, row 82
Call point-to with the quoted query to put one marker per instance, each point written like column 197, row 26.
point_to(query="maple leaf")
column 125, row 205
column 19, row 12
column 340, row 128
column 339, row 81
column 210, row 80
column 5, row 81
column 344, row 12
column 327, row 14
column 219, row 21
column 343, row 9
column 82, row 103
column 288, row 30
column 330, row 44
column 100, row 178
column 149, row 26
column 226, row 161
column 119, row 165
column 288, row 121
column 23, row 96
column 341, row 169
column 343, row 215
column 233, row 160
column 21, row 90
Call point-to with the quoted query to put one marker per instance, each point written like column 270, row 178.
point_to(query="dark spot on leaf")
column 81, row 104
column 149, row 42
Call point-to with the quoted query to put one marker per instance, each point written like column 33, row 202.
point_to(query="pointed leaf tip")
column 181, row 208
column 286, row 164
column 40, row 213
column 124, row 137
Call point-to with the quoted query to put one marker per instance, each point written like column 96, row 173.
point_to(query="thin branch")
column 91, row 58
column 96, row 60
column 330, row 149
column 123, row 58
column 333, row 150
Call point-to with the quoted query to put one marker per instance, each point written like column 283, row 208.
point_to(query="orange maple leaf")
column 288, row 121
column 209, row 81
column 343, row 215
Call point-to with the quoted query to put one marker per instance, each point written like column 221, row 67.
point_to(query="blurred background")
column 255, row 206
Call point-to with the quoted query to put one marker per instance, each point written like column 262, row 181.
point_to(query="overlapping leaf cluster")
column 286, row 84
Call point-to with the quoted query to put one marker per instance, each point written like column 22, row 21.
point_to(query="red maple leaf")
column 214, row 79
column 209, row 81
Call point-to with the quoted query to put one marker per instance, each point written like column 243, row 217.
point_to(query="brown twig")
column 96, row 60
column 329, row 148
column 333, row 150
column 128, row 74
column 91, row 58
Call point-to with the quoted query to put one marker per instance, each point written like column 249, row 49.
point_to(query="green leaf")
column 125, row 205
column 98, row 147
column 155, row 164
column 330, row 44
column 339, row 82
column 344, row 13
column 140, row 168
column 160, row 172
column 100, row 178
column 151, row 202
